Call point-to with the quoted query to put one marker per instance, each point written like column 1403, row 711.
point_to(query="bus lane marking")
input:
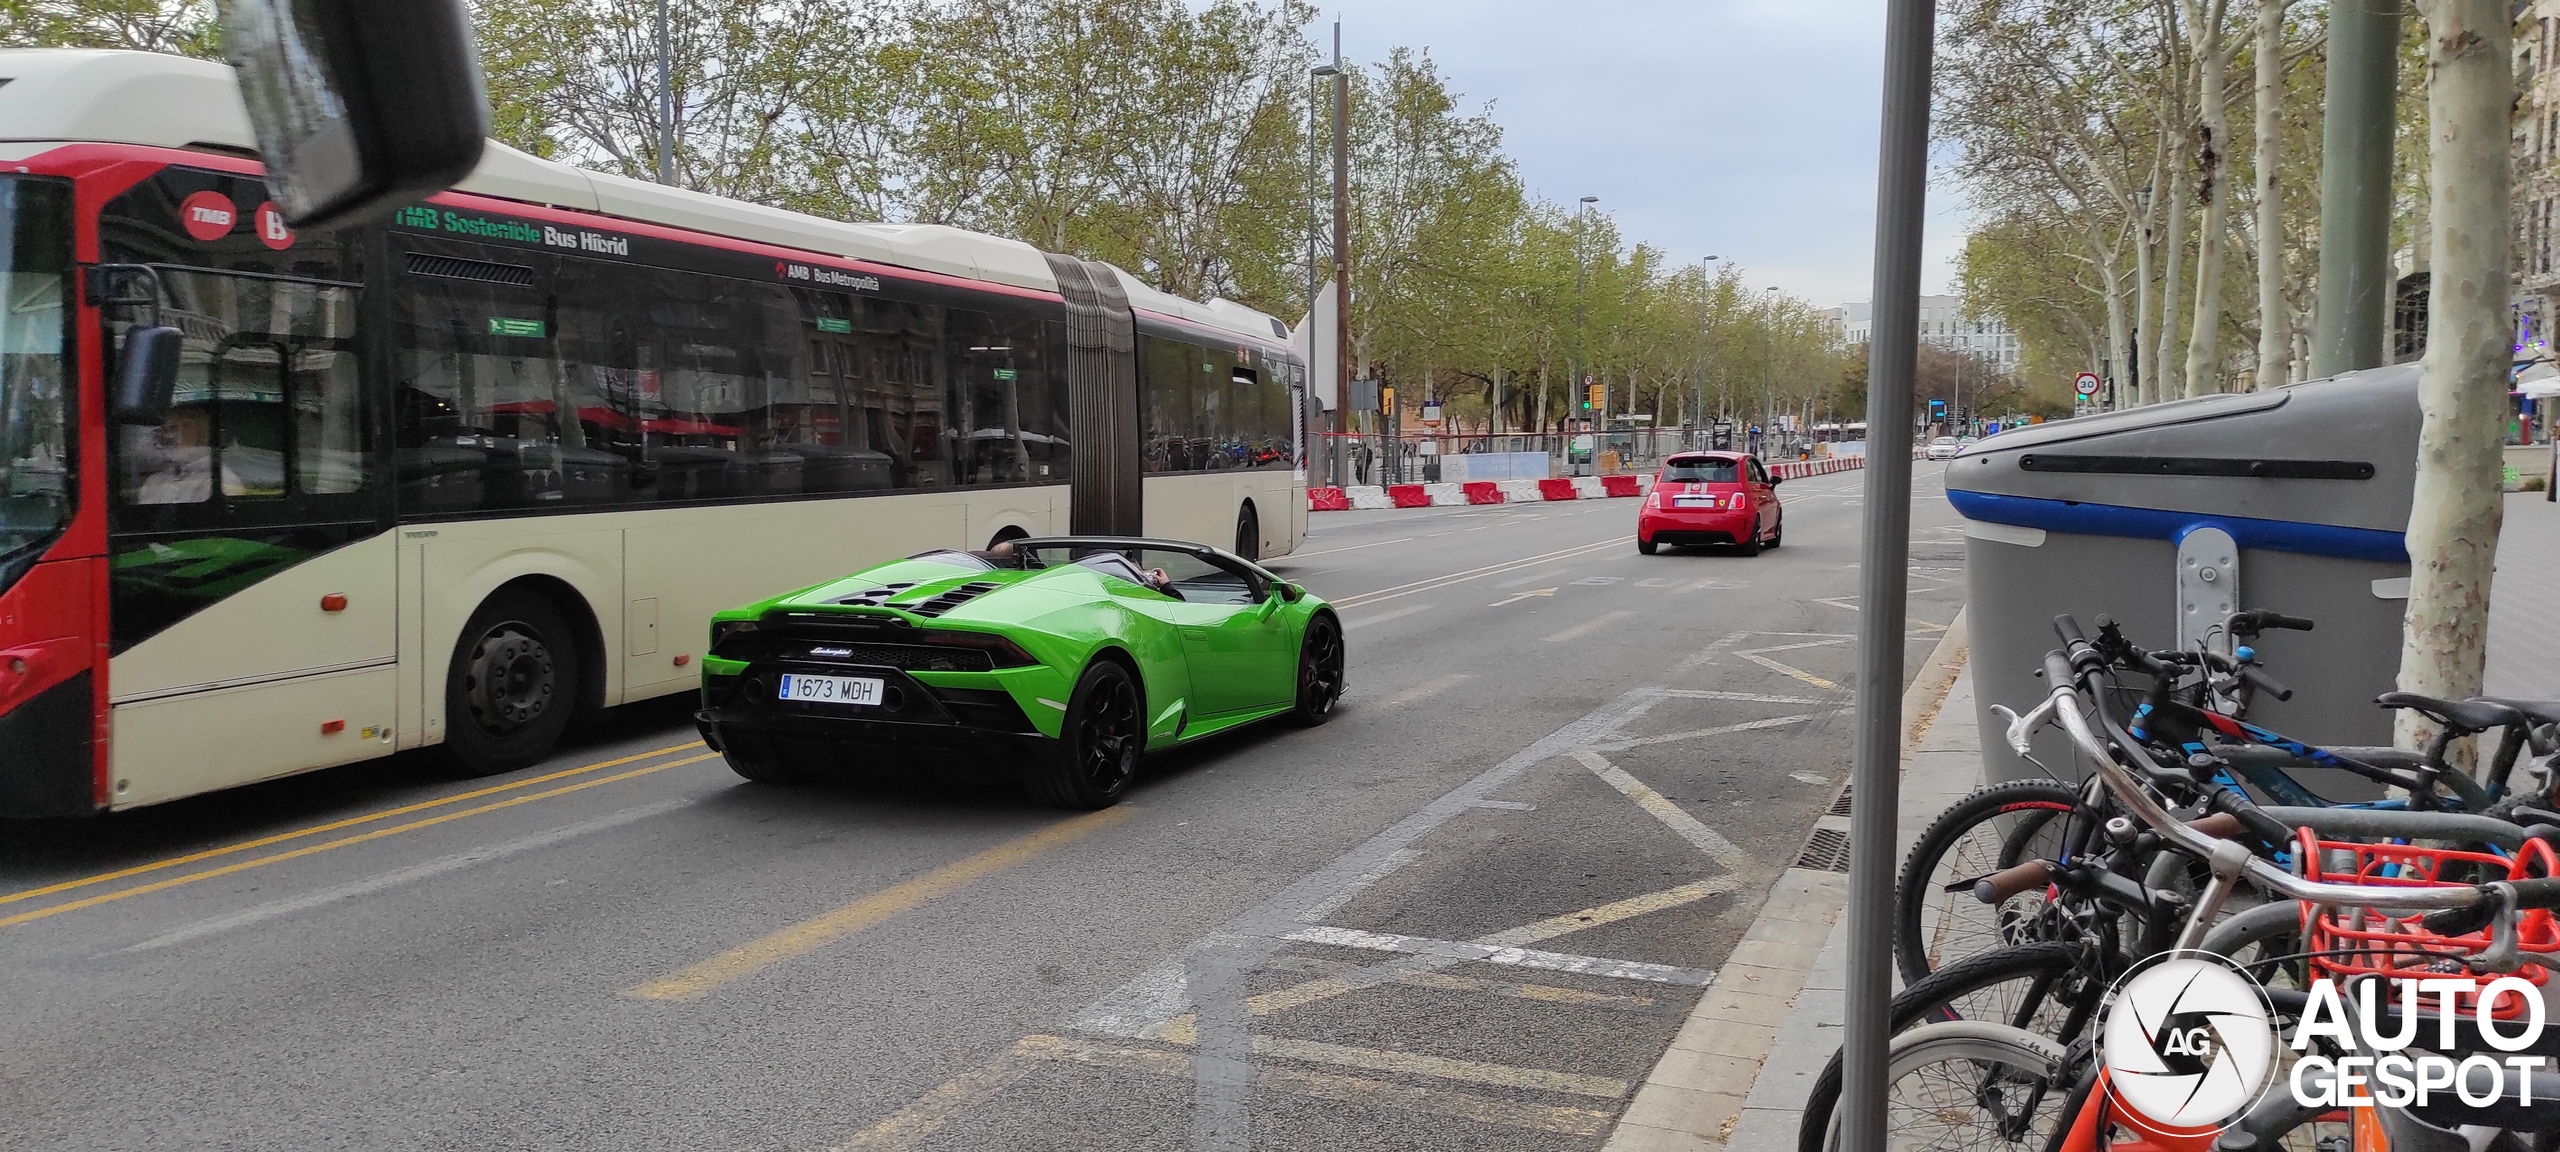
column 1706, row 839
column 1589, row 626
column 916, row 1122
column 1427, row 584
column 372, row 884
column 1383, row 617
column 700, row 979
column 342, row 842
column 349, row 822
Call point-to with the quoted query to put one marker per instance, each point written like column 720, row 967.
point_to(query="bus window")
column 1010, row 429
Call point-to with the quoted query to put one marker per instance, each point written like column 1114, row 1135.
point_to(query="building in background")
column 1943, row 323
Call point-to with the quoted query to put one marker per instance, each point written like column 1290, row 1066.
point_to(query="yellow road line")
column 344, row 841
column 350, row 822
column 909, row 1126
column 698, row 980
column 1344, row 1089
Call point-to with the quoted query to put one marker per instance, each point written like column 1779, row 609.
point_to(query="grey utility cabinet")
column 2166, row 518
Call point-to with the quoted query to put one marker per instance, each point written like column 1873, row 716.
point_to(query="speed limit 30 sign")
column 2088, row 383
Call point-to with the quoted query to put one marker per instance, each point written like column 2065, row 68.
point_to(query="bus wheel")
column 513, row 685
column 1248, row 534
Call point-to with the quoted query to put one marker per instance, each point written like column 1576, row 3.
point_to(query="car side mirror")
column 357, row 105
column 147, row 374
column 1288, row 591
column 1775, row 480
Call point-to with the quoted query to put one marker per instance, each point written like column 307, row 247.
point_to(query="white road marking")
column 1589, row 626
column 272, row 909
column 1427, row 689
column 1810, row 778
column 1349, row 548
column 1383, row 617
column 1599, row 581
column 1526, row 580
column 1517, row 597
column 1621, row 745
column 1518, row 957
column 1656, row 582
column 1507, row 805
column 1707, row 840
column 1744, row 697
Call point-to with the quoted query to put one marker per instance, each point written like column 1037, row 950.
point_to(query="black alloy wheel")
column 512, row 686
column 1098, row 749
column 1319, row 671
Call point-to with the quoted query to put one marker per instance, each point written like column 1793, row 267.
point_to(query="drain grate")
column 1827, row 850
column 1840, row 807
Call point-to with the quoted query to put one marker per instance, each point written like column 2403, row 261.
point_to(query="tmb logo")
column 208, row 216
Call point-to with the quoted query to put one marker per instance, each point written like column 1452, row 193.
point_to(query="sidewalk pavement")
column 1737, row 1074
column 2524, row 601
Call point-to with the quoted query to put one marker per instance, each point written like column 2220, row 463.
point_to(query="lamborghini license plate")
column 829, row 689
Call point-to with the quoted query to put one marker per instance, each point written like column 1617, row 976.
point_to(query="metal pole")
column 2351, row 328
column 1341, row 253
column 1581, row 313
column 1768, row 354
column 1902, row 190
column 666, row 104
column 1320, row 447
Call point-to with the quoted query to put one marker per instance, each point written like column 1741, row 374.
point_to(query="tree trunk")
column 2275, row 328
column 2454, row 512
column 2164, row 373
column 1542, row 398
column 2213, row 193
column 2146, row 295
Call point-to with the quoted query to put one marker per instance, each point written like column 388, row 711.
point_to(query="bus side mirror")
column 357, row 105
column 147, row 374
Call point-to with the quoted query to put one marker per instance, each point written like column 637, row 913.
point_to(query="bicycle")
column 1958, row 1071
column 2194, row 703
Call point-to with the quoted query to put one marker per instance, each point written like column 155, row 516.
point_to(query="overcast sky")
column 1744, row 129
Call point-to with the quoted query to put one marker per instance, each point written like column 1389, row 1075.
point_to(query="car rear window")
column 1701, row 472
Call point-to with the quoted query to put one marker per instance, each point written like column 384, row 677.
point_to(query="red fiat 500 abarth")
column 1711, row 498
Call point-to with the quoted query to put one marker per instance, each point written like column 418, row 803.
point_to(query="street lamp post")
column 1768, row 392
column 1581, row 313
column 1323, row 450
column 1698, row 382
column 1341, row 254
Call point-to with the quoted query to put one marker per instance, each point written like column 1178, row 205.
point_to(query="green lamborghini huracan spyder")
column 1057, row 661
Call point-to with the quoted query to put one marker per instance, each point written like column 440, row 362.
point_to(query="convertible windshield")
column 1709, row 471
column 36, row 398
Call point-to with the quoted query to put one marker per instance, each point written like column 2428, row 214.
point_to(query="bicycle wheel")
column 1972, row 1084
column 2050, row 989
column 1991, row 829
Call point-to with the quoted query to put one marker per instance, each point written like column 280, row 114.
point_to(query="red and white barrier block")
column 1791, row 469
column 1490, row 491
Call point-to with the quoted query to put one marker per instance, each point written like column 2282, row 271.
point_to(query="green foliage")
column 1179, row 139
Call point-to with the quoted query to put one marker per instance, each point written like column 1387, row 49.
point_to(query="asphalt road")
column 1470, row 912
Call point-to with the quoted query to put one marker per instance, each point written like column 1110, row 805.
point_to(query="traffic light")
column 1937, row 409
column 1593, row 396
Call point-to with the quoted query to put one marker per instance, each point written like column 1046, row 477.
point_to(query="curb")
column 1695, row 1095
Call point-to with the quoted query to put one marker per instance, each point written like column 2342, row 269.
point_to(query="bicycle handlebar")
column 2521, row 895
column 2008, row 882
column 2147, row 808
column 2262, row 621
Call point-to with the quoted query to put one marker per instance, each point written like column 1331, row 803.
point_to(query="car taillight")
column 722, row 630
column 1003, row 652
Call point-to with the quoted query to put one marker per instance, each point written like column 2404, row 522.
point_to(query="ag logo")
column 2189, row 1042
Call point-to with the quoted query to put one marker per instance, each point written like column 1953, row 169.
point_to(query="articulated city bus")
column 492, row 461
